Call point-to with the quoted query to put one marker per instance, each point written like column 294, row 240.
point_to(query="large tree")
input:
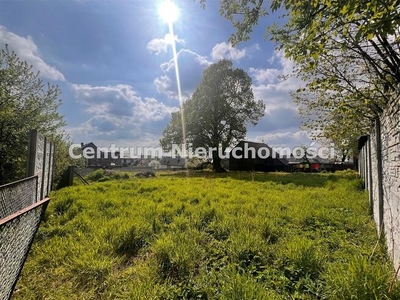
column 347, row 54
column 217, row 113
column 25, row 103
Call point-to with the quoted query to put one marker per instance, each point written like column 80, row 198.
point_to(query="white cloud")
column 285, row 139
column 280, row 125
column 116, row 112
column 161, row 45
column 272, row 88
column 224, row 50
column 27, row 50
column 191, row 66
column 265, row 75
column 120, row 100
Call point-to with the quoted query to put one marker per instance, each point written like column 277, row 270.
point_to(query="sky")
column 113, row 62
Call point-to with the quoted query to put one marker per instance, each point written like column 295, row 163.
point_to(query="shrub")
column 96, row 175
column 103, row 179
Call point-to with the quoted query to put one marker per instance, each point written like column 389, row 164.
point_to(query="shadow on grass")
column 300, row 179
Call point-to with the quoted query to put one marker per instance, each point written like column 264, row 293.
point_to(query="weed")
column 209, row 236
column 359, row 278
column 62, row 206
column 130, row 240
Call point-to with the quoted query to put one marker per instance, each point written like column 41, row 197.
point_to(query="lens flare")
column 168, row 12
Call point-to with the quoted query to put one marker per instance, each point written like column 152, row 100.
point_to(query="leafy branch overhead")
column 217, row 113
column 346, row 52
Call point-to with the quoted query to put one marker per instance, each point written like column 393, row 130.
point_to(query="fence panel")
column 16, row 236
column 380, row 157
column 17, row 195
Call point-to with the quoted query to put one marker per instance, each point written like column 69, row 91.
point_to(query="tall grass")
column 209, row 236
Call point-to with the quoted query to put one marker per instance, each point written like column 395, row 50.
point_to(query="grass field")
column 209, row 236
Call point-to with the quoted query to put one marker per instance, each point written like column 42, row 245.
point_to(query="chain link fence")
column 20, row 215
column 21, row 210
column 17, row 195
column 17, row 232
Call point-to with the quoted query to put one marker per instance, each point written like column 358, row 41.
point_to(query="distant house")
column 128, row 161
column 173, row 162
column 316, row 164
column 155, row 164
column 99, row 157
column 251, row 156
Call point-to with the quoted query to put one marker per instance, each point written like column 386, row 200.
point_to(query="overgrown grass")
column 209, row 236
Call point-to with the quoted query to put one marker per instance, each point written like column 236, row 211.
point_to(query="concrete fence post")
column 370, row 183
column 40, row 162
column 379, row 174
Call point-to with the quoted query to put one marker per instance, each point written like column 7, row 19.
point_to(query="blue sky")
column 113, row 62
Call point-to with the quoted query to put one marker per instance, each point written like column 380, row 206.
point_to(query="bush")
column 96, row 175
column 103, row 179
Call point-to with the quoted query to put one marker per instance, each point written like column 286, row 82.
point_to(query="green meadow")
column 209, row 236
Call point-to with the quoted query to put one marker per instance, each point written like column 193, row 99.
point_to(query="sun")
column 168, row 11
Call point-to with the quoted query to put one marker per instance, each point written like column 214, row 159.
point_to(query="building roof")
column 87, row 145
column 317, row 160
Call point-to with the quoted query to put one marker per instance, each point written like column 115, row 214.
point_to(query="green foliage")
column 203, row 235
column 63, row 206
column 217, row 113
column 178, row 254
column 346, row 53
column 130, row 240
column 119, row 175
column 196, row 163
column 359, row 279
column 63, row 160
column 125, row 176
column 233, row 285
column 96, row 175
column 25, row 103
column 302, row 259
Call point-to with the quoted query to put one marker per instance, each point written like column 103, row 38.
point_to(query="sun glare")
column 168, row 11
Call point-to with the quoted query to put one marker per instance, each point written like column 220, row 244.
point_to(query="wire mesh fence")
column 16, row 236
column 21, row 210
column 17, row 195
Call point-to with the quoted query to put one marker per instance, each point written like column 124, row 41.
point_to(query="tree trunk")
column 344, row 155
column 216, row 162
